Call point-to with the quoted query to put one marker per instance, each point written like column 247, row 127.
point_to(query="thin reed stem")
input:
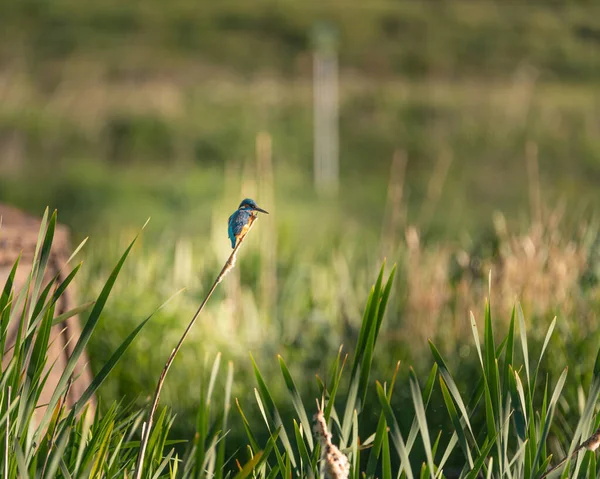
column 7, row 431
column 147, row 426
column 590, row 444
column 55, row 429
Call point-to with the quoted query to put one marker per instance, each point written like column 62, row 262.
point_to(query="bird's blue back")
column 237, row 221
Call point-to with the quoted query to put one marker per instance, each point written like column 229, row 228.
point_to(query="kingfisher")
column 240, row 221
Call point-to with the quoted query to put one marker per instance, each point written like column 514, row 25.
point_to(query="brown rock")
column 19, row 233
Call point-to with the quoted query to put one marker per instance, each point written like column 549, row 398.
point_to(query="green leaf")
column 523, row 332
column 546, row 341
column 40, row 347
column 491, row 366
column 458, row 428
column 450, row 385
column 271, row 446
column 248, row 467
column 481, row 459
column 509, row 354
column 422, row 420
column 385, row 458
column 39, row 269
column 86, row 333
column 72, row 312
column 113, row 360
column 77, row 250
column 272, row 412
column 476, row 337
column 296, row 401
column 395, row 431
column 336, row 376
column 249, row 433
column 5, row 299
column 384, row 299
column 304, row 456
column 226, row 406
column 57, row 453
column 381, row 431
column 163, row 464
column 551, row 407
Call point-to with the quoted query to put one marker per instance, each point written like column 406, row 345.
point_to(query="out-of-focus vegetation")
column 87, row 90
column 502, row 429
column 132, row 159
column 460, row 39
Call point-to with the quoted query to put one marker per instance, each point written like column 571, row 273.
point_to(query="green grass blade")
column 449, row 448
column 355, row 453
column 381, row 430
column 86, row 333
column 57, row 453
column 40, row 346
column 365, row 328
column 386, row 461
column 368, row 319
column 77, row 250
column 72, row 312
column 451, row 385
column 458, row 428
column 272, row 411
column 5, row 298
column 40, row 265
column 249, row 433
column 491, row 365
column 395, row 431
column 510, row 346
column 523, row 333
column 108, row 367
column 270, row 447
column 213, row 377
column 337, row 376
column 478, row 464
column 248, row 467
column 476, row 337
column 384, row 299
column 303, row 451
column 226, row 407
column 296, row 401
column 584, row 426
column 546, row 341
column 549, row 416
column 163, row 464
column 421, row 419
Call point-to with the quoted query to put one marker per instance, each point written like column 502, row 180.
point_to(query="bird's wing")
column 230, row 228
column 237, row 222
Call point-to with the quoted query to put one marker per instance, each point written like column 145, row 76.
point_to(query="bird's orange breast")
column 245, row 228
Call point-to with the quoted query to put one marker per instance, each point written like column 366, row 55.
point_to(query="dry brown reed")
column 334, row 464
column 540, row 267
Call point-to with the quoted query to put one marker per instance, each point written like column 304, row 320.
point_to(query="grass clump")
column 514, row 422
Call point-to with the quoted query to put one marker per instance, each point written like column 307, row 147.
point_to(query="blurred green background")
column 469, row 141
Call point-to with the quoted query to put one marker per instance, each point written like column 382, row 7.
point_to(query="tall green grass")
column 512, row 423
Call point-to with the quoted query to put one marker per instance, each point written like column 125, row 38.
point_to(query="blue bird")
column 240, row 221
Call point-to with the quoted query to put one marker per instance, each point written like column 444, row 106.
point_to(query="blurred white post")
column 326, row 111
column 267, row 230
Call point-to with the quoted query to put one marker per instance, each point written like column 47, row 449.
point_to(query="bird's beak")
column 261, row 210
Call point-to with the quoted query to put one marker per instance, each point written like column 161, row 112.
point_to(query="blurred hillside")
column 453, row 39
column 104, row 106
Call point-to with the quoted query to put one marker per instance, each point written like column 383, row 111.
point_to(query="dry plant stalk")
column 591, row 444
column 334, row 464
column 147, row 426
column 394, row 215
